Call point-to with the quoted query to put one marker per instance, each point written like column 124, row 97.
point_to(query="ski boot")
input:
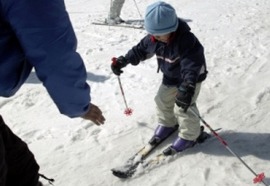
column 180, row 144
column 161, row 133
column 114, row 21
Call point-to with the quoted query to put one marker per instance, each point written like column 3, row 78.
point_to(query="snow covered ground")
column 235, row 97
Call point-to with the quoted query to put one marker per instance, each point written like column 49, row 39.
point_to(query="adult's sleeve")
column 46, row 35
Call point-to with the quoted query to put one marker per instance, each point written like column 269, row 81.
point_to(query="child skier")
column 180, row 57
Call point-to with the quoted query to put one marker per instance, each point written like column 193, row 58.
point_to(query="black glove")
column 118, row 64
column 184, row 95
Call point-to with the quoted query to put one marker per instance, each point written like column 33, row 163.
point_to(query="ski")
column 127, row 173
column 121, row 25
column 131, row 164
column 170, row 152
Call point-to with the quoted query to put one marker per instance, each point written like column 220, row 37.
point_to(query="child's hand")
column 118, row 64
column 184, row 95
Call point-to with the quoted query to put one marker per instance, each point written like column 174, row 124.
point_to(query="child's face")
column 163, row 38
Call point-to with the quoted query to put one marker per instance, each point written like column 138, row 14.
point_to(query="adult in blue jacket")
column 180, row 57
column 38, row 34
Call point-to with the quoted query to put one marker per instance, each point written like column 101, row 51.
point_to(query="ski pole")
column 128, row 111
column 138, row 9
column 258, row 177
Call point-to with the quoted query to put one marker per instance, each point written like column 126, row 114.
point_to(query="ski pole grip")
column 114, row 61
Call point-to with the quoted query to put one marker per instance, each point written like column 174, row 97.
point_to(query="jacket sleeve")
column 192, row 58
column 145, row 49
column 45, row 33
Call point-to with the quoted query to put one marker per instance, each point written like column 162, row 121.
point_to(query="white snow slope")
column 235, row 97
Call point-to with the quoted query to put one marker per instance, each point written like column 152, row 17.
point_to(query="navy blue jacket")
column 181, row 59
column 39, row 34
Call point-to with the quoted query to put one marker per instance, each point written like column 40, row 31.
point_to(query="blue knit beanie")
column 160, row 19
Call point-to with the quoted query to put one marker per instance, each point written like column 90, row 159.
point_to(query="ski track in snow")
column 235, row 97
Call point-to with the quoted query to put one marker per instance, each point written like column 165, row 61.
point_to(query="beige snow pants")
column 169, row 114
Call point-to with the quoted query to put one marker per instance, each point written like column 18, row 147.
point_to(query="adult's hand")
column 95, row 115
